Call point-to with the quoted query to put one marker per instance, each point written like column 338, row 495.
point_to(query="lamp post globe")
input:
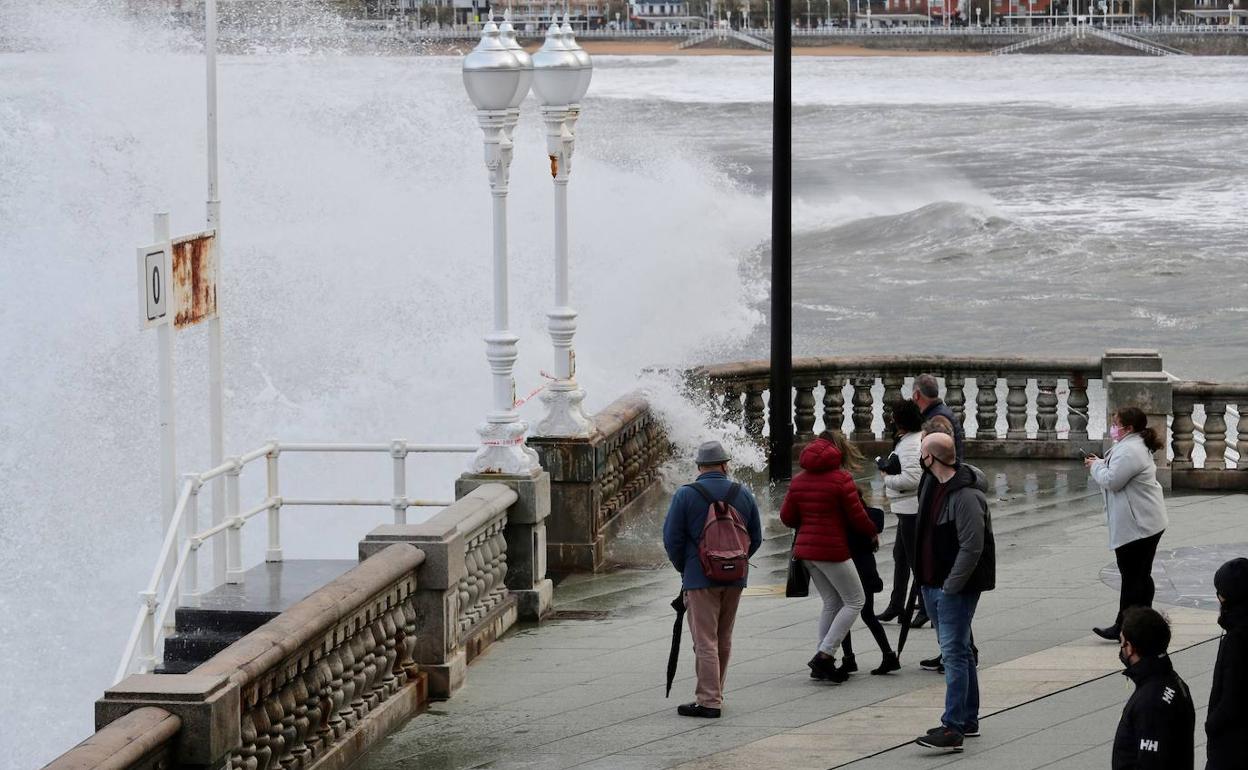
column 556, row 70
column 492, row 74
column 507, row 34
column 582, row 58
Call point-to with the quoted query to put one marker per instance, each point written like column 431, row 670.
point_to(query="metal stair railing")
column 1133, row 42
column 1047, row 37
column 177, row 563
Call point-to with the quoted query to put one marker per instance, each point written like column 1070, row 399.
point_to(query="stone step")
column 197, row 647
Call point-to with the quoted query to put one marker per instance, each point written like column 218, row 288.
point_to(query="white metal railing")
column 184, row 538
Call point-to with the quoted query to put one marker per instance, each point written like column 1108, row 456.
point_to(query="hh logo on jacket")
column 1148, row 745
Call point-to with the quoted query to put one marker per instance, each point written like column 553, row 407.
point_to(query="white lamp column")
column 562, row 70
column 493, row 77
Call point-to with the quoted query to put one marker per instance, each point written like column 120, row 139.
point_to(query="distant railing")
column 1215, row 402
column 1053, row 391
column 177, row 562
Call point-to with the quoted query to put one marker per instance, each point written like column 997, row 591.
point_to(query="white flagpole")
column 216, row 385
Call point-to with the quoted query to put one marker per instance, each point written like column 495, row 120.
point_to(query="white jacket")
column 902, row 490
column 1134, row 505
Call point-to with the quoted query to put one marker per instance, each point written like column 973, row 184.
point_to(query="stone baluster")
column 295, row 724
column 804, row 410
column 1077, row 407
column 410, row 640
column 1046, row 408
column 359, row 703
column 986, row 406
column 862, row 414
column 833, row 403
column 733, row 412
column 955, row 396
column 314, row 739
column 1215, row 435
column 390, row 635
column 248, row 757
column 1183, row 430
column 328, row 703
column 338, row 690
column 264, row 737
column 892, row 391
column 755, row 409
column 1016, row 407
column 372, row 667
column 1241, row 441
column 277, row 737
column 346, row 711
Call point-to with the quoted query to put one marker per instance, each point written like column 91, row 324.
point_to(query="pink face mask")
column 1116, row 432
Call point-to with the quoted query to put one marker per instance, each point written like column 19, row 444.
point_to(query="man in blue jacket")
column 711, row 606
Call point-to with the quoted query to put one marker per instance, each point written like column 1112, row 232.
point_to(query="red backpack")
column 724, row 549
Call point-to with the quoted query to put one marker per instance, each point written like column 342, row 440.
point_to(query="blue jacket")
column 686, row 516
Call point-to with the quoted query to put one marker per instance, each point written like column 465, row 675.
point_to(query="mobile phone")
column 1084, row 454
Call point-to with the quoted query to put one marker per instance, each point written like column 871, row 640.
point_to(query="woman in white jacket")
column 901, row 487
column 1134, row 507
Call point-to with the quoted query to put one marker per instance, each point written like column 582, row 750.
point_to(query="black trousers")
column 903, row 562
column 873, row 625
column 1135, row 564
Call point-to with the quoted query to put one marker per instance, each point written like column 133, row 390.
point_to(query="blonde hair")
column 851, row 456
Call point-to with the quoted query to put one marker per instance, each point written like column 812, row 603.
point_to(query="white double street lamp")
column 497, row 77
column 561, row 75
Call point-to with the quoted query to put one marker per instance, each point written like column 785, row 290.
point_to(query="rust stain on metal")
column 194, row 281
column 554, row 165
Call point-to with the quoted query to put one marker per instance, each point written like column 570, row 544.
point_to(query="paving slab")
column 589, row 693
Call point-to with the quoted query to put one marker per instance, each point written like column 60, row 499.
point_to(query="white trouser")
column 841, row 589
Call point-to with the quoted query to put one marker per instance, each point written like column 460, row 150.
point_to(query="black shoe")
column 975, row 654
column 697, row 710
column 888, row 615
column 888, row 665
column 971, row 732
column 849, row 664
column 1109, row 632
column 919, row 620
column 942, row 739
column 932, row 664
column 826, row 669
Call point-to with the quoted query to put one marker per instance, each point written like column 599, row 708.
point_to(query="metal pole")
column 781, row 383
column 216, row 384
column 274, row 551
column 233, row 535
column 168, row 430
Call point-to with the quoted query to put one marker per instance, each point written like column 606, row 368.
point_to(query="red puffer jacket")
column 822, row 501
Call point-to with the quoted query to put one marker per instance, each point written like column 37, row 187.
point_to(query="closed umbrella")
column 678, row 604
column 906, row 615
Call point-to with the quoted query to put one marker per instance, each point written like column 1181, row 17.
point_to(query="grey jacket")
column 965, row 555
column 1134, row 505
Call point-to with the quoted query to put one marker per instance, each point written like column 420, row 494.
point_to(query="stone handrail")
column 597, row 482
column 739, row 390
column 142, row 739
column 296, row 691
column 1216, row 399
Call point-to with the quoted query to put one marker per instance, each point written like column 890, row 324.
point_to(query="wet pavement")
column 586, row 689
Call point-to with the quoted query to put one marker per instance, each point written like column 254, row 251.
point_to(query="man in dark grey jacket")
column 955, row 561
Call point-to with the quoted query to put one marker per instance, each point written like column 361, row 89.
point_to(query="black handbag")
column 798, row 583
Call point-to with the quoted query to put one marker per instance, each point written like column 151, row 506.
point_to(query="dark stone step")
column 176, row 667
column 197, row 647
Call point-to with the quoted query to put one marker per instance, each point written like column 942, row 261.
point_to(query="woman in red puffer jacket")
column 823, row 504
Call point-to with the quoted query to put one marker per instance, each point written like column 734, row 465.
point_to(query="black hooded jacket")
column 1157, row 725
column 1227, row 723
column 954, row 546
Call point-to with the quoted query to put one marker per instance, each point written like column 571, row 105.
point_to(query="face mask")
column 1123, row 659
column 929, row 465
column 1116, row 432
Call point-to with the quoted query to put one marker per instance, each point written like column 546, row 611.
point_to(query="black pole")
column 781, row 385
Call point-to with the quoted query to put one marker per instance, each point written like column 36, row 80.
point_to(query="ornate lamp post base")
column 564, row 416
column 503, row 449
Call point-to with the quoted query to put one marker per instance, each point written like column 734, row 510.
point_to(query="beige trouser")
column 712, row 612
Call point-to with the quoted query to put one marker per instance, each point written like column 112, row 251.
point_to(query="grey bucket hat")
column 711, row 453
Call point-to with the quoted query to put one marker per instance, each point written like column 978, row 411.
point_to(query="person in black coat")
column 1227, row 722
column 1158, row 722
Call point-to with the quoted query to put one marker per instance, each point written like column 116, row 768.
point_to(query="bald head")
column 941, row 447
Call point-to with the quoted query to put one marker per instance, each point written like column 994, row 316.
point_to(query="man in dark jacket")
column 927, row 396
column 1227, row 722
column 1155, row 732
column 712, row 606
column 955, row 561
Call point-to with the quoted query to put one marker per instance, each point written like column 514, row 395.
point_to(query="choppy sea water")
column 971, row 205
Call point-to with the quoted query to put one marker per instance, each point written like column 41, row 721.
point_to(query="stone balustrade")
column 142, row 739
column 597, row 483
column 314, row 686
column 1020, row 407
column 1223, row 405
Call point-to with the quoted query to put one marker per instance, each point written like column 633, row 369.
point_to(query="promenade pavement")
column 585, row 690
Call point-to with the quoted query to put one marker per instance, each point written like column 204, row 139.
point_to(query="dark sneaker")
column 931, row 664
column 1109, row 632
column 849, row 664
column 919, row 620
column 971, row 732
column 697, row 710
column 941, row 739
column 888, row 665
